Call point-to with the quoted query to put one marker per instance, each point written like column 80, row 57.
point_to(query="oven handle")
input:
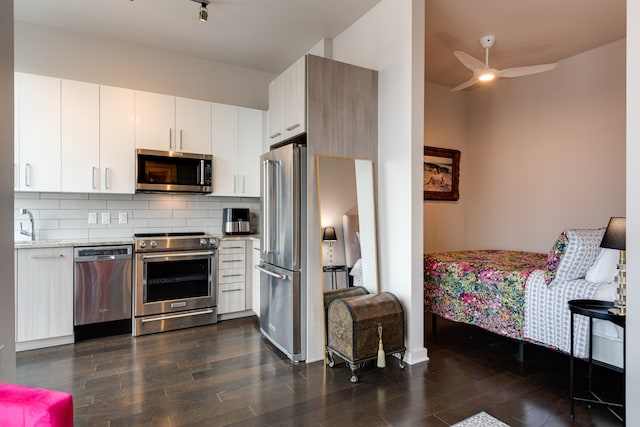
column 271, row 273
column 180, row 255
column 176, row 316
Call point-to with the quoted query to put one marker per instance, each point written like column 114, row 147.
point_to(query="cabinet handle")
column 27, row 174
column 170, row 140
column 292, row 127
column 93, row 177
column 244, row 179
column 47, row 256
column 233, row 260
column 232, row 247
column 107, row 176
column 235, row 182
column 275, row 135
column 232, row 290
column 180, row 139
column 231, row 275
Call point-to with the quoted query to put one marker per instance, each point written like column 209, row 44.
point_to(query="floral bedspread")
column 484, row 288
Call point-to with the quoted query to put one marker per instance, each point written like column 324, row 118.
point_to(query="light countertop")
column 103, row 241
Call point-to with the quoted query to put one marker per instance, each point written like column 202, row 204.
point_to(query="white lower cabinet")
column 44, row 297
column 231, row 276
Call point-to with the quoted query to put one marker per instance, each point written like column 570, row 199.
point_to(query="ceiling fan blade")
column 465, row 85
column 469, row 61
column 525, row 71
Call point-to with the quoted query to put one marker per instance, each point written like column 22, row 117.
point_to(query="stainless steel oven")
column 175, row 281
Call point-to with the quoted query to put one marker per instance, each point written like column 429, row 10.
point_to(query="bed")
column 524, row 295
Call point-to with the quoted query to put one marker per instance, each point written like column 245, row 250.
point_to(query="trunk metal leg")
column 354, row 372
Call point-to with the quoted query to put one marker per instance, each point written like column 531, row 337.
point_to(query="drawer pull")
column 232, row 275
column 231, row 290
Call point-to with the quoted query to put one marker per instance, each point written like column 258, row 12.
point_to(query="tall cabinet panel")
column 117, row 143
column 80, row 136
column 39, row 135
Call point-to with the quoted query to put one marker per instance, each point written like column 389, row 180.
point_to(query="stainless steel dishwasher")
column 102, row 285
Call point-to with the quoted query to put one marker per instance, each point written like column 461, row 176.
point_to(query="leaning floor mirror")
column 346, row 202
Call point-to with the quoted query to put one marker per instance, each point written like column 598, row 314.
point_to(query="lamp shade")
column 616, row 235
column 329, row 234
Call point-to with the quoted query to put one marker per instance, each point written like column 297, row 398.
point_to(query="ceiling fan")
column 482, row 72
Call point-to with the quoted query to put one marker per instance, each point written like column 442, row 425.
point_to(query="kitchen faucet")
column 33, row 229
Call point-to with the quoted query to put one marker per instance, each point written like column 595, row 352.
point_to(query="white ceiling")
column 269, row 35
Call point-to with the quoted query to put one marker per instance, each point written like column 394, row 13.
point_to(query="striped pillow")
column 572, row 254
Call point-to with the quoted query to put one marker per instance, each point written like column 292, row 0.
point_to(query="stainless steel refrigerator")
column 283, row 292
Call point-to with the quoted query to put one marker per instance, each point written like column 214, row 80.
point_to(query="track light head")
column 203, row 15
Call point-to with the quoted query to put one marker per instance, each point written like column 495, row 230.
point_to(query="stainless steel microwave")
column 173, row 171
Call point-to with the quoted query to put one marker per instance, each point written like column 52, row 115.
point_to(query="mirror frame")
column 363, row 171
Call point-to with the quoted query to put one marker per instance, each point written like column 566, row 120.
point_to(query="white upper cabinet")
column 193, row 126
column 117, row 140
column 80, row 112
column 39, row 138
column 237, row 138
column 164, row 122
column 287, row 103
column 155, row 121
column 250, row 137
column 224, row 145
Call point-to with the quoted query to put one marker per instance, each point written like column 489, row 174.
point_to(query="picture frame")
column 441, row 174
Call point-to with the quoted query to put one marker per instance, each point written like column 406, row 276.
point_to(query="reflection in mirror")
column 347, row 203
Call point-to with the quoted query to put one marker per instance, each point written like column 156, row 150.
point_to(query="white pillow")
column 605, row 267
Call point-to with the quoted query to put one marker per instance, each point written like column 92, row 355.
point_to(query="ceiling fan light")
column 486, row 76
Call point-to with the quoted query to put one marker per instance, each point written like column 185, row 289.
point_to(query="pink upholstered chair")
column 22, row 406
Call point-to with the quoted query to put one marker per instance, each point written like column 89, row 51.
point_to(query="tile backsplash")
column 62, row 216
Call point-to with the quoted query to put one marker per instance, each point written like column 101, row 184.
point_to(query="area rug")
column 481, row 419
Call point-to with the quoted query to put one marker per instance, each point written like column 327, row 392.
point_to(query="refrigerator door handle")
column 271, row 273
column 271, row 183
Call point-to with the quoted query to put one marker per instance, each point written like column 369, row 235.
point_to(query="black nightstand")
column 596, row 309
column 334, row 269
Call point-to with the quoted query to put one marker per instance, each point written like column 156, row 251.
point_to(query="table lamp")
column 329, row 235
column 615, row 238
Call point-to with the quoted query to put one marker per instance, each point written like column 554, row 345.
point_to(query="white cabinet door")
column 287, row 103
column 117, row 140
column 39, row 133
column 249, row 150
column 44, row 295
column 16, row 132
column 80, row 127
column 155, row 121
column 295, row 109
column 276, row 110
column 224, row 145
column 193, row 126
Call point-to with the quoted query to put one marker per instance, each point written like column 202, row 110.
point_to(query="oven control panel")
column 175, row 243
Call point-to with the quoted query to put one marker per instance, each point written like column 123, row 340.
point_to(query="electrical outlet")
column 93, row 218
column 106, row 218
column 122, row 218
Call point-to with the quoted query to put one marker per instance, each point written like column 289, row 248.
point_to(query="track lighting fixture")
column 203, row 14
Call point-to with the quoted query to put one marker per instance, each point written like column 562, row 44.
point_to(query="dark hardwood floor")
column 226, row 374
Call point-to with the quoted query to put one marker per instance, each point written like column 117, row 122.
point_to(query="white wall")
column 633, row 212
column 60, row 53
column 390, row 39
column 546, row 152
column 7, row 330
column 445, row 126
column 539, row 154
